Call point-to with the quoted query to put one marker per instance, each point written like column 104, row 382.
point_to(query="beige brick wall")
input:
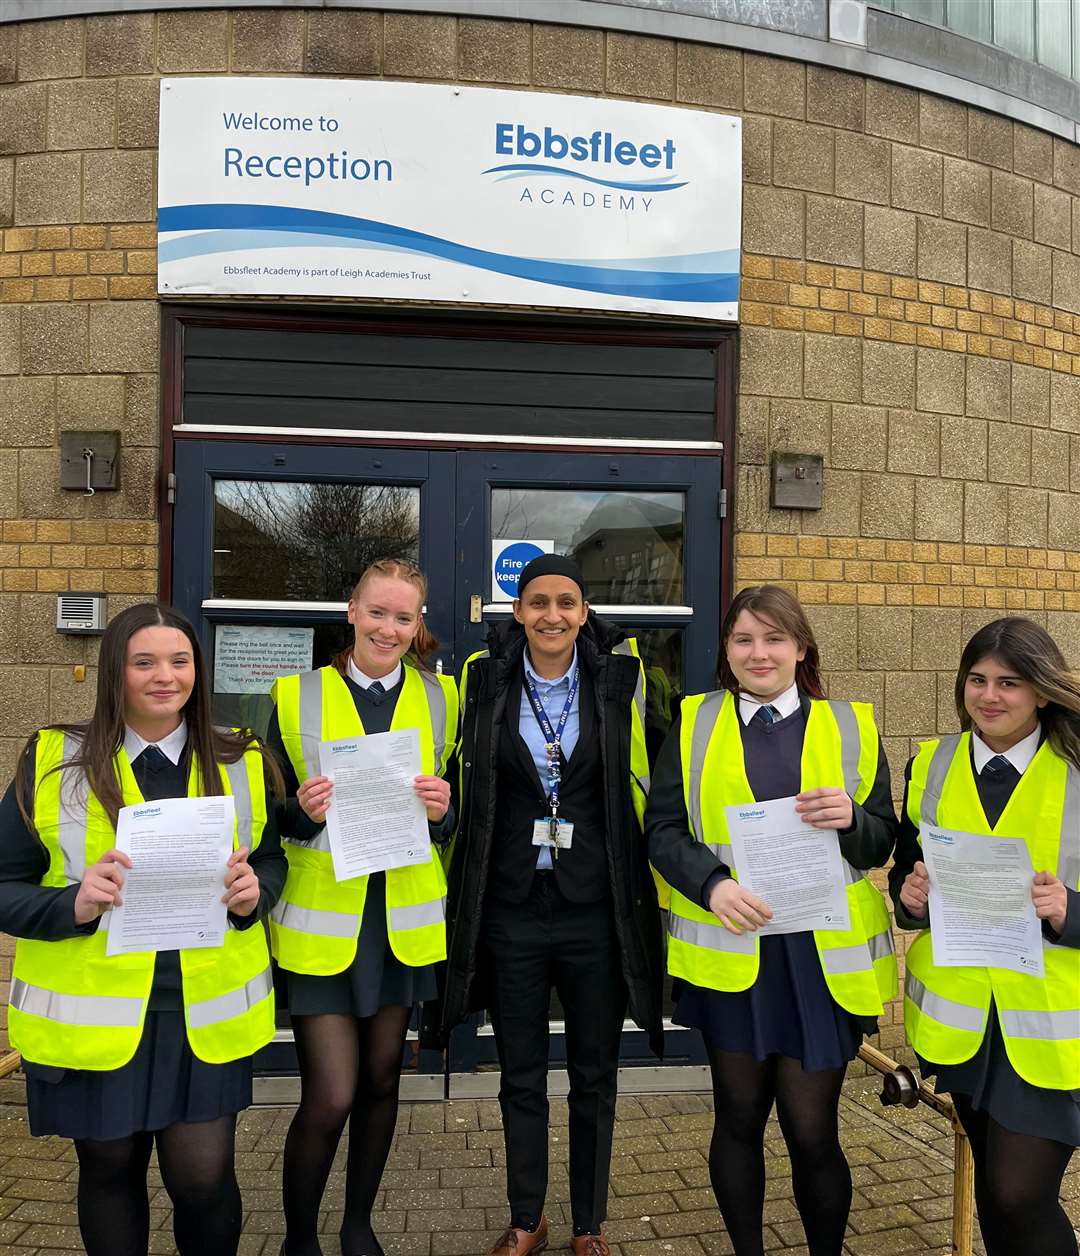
column 911, row 312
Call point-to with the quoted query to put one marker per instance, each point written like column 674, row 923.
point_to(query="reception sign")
column 328, row 187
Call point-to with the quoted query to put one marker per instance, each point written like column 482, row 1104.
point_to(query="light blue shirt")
column 553, row 698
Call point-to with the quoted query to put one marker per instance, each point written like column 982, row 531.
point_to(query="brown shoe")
column 590, row 1245
column 513, row 1242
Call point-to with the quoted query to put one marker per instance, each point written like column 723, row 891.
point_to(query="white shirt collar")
column 787, row 704
column 544, row 680
column 1020, row 755
column 365, row 682
column 172, row 747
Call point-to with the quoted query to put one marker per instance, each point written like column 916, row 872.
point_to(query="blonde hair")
column 424, row 643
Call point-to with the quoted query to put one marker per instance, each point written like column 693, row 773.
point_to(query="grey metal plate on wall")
column 797, row 481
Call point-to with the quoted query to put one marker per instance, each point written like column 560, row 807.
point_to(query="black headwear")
column 551, row 565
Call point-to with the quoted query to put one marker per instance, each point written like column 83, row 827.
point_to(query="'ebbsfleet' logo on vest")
column 552, row 153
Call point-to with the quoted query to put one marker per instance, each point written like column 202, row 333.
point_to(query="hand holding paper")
column 375, row 820
column 792, row 865
column 178, row 854
column 981, row 908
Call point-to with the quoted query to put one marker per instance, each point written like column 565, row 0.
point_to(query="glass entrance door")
column 270, row 537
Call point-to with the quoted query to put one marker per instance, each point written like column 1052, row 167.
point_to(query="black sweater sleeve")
column 28, row 909
column 674, row 852
column 908, row 853
column 269, row 864
column 870, row 840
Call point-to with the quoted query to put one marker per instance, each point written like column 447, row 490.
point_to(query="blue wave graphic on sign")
column 525, row 168
column 694, row 277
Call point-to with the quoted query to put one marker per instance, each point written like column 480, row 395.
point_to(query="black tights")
column 744, row 1090
column 197, row 1167
column 349, row 1071
column 1017, row 1187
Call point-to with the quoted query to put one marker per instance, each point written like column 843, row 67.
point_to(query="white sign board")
column 508, row 559
column 330, row 187
column 249, row 659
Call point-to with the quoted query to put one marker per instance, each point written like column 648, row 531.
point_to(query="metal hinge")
column 170, row 488
column 721, row 504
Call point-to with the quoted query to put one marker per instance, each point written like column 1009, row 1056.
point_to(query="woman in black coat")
column 524, row 916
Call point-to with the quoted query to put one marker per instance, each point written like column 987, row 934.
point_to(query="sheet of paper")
column 179, row 849
column 981, row 911
column 375, row 820
column 794, row 867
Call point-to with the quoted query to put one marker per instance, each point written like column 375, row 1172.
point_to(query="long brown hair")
column 774, row 605
column 425, row 642
column 1032, row 654
column 101, row 737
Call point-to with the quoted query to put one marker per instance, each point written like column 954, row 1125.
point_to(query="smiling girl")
column 782, row 1014
column 125, row 1052
column 359, row 953
column 1005, row 1045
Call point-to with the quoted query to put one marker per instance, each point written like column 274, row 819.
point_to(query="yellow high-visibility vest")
column 73, row 1006
column 946, row 1009
column 840, row 751
column 316, row 923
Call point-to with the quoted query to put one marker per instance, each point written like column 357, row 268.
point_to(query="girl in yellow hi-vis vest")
column 1005, row 1044
column 125, row 1051
column 358, row 954
column 781, row 1014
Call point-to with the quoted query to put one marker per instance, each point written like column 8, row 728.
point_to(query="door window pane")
column 253, row 710
column 629, row 545
column 278, row 540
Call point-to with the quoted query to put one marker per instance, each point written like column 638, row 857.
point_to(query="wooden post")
column 963, row 1224
column 9, row 1063
column 963, row 1165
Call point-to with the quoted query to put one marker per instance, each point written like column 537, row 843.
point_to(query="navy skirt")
column 376, row 978
column 161, row 1084
column 989, row 1080
column 787, row 1011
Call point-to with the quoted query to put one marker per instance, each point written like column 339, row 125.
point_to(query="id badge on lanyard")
column 552, row 831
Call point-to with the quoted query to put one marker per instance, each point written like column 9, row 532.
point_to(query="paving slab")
column 444, row 1194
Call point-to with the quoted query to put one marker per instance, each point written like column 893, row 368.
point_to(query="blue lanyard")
column 552, row 736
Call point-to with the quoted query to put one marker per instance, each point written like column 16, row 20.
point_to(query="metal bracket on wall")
column 90, row 461
column 797, row 481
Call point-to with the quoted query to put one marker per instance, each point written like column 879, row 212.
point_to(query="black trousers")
column 530, row 947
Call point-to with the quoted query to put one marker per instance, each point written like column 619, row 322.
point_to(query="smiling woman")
column 125, row 1052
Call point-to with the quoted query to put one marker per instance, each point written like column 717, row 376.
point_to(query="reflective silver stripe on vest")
column 707, row 715
column 321, row 841
column 74, row 801
column 1059, row 1026
column 326, row 924
column 226, row 1007
column 850, row 744
column 311, row 684
column 860, row 957
column 97, row 1011
column 437, row 711
column 311, row 713
column 639, row 689
column 240, row 785
column 712, row 937
column 945, row 1011
column 1069, row 851
column 418, row 915
column 940, row 762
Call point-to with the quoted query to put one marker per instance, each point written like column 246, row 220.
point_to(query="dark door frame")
column 513, row 325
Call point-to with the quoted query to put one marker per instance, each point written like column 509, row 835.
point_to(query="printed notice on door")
column 248, row 659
